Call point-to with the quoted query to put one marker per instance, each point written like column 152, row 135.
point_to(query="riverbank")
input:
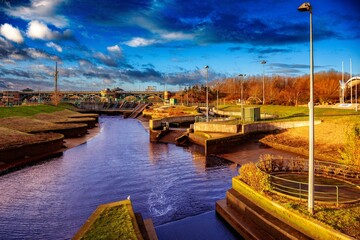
column 31, row 134
column 68, row 143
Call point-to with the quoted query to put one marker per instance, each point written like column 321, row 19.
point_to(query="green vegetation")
column 255, row 178
column 25, row 111
column 290, row 113
column 112, row 223
column 335, row 123
column 344, row 219
column 350, row 154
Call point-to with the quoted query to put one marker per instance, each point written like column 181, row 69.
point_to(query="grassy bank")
column 300, row 113
column 17, row 124
column 10, row 138
column 25, row 111
column 330, row 136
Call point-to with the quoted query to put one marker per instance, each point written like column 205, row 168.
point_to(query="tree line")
column 279, row 90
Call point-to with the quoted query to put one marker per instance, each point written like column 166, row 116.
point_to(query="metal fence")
column 342, row 187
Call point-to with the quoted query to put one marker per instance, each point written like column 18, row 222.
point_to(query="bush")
column 350, row 154
column 255, row 178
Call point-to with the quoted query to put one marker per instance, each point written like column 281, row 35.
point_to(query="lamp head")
column 263, row 62
column 206, row 66
column 305, row 7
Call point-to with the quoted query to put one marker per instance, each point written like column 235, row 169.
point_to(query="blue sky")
column 137, row 43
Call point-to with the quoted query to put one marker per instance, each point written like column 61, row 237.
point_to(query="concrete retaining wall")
column 238, row 114
column 267, row 127
column 218, row 145
column 226, row 113
column 312, row 228
column 216, row 127
column 156, row 123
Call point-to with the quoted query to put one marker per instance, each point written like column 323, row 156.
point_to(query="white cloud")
column 177, row 36
column 17, row 56
column 107, row 60
column 108, row 81
column 54, row 46
column 11, row 33
column 140, row 42
column 39, row 30
column 114, row 49
column 85, row 63
column 42, row 10
column 8, row 61
column 35, row 53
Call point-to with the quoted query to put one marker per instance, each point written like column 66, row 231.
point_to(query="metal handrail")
column 323, row 192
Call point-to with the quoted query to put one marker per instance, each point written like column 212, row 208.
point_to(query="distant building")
column 11, row 98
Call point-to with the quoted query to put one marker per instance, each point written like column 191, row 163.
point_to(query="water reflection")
column 53, row 199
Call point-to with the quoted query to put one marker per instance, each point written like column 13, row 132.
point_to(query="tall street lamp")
column 241, row 97
column 306, row 7
column 207, row 93
column 263, row 62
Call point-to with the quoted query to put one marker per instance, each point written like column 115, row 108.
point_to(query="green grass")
column 290, row 113
column 344, row 219
column 112, row 223
column 24, row 111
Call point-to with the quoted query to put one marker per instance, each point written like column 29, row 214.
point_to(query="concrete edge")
column 314, row 228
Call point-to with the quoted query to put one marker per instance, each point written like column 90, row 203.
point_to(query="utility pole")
column 56, row 85
column 263, row 62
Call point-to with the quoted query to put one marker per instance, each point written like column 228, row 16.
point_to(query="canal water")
column 53, row 199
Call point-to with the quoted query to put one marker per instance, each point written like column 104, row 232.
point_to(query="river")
column 165, row 182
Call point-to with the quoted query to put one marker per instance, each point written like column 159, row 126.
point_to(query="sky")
column 133, row 44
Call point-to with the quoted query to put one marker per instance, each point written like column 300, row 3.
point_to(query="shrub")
column 255, row 178
column 350, row 154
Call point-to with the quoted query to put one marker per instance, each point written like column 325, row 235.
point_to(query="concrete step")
column 268, row 223
column 241, row 223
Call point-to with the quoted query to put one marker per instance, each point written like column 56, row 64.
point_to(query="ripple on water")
column 53, row 199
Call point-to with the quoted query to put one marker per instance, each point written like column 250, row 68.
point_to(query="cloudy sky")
column 138, row 43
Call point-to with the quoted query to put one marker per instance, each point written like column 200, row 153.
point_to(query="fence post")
column 300, row 190
column 337, row 196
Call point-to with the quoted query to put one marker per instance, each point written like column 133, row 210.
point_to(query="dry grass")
column 330, row 137
column 29, row 125
column 169, row 111
column 59, row 118
column 10, row 138
column 72, row 114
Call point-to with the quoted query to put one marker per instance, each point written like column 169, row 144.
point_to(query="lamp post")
column 263, row 62
column 217, row 95
column 306, row 7
column 207, row 93
column 241, row 97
